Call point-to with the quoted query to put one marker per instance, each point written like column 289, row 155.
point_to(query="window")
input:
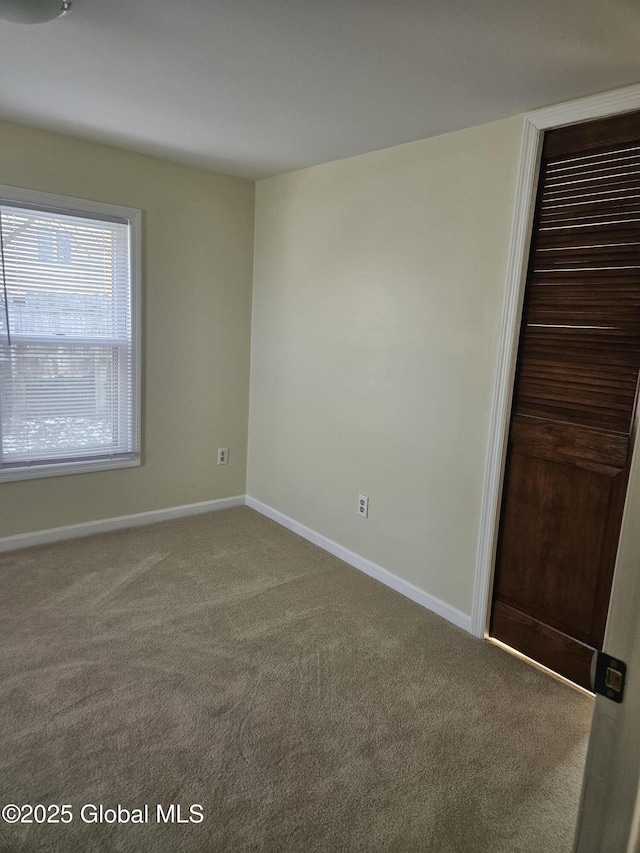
column 69, row 342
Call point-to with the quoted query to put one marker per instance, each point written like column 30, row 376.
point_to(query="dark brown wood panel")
column 594, row 136
column 580, row 445
column 555, row 510
column 537, row 640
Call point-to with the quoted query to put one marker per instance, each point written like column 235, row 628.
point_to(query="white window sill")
column 34, row 472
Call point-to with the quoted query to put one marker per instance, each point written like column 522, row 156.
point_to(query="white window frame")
column 97, row 209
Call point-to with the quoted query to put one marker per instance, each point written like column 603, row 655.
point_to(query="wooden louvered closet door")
column 574, row 399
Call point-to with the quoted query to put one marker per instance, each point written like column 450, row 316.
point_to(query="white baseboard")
column 139, row 519
column 430, row 602
column 104, row 525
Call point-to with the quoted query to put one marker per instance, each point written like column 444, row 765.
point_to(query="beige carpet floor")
column 221, row 660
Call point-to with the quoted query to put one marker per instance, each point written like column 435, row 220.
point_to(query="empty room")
column 319, row 490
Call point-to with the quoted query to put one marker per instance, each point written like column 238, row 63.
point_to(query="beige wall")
column 378, row 289
column 377, row 297
column 197, row 261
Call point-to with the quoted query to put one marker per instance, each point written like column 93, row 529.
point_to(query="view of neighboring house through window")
column 68, row 366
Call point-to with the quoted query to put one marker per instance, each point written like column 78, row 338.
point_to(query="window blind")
column 66, row 350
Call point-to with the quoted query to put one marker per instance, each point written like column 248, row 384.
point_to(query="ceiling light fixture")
column 33, row 11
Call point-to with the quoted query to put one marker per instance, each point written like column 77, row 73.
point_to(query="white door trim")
column 609, row 816
column 503, row 387
column 534, row 125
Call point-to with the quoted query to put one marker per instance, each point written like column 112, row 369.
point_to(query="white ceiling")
column 259, row 87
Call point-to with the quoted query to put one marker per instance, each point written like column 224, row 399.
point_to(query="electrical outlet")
column 223, row 455
column 363, row 506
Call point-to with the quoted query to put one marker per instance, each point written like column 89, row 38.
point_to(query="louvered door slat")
column 569, row 345
column 589, row 235
column 539, row 387
column 559, row 163
column 576, row 314
column 608, row 256
column 592, row 170
column 587, row 213
column 604, row 375
column 621, row 276
column 621, row 291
